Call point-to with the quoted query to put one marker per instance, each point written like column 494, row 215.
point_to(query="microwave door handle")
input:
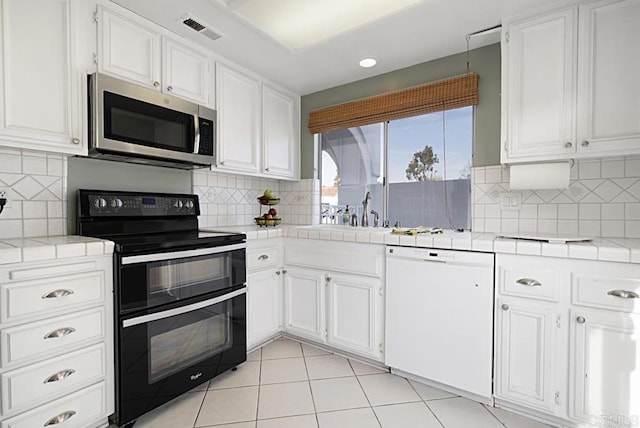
column 196, row 141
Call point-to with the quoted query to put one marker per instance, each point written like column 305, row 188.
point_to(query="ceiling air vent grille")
column 201, row 28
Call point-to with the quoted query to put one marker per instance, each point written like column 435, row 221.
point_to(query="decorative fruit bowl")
column 268, row 201
column 261, row 221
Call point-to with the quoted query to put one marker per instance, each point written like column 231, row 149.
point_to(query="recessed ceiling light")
column 367, row 62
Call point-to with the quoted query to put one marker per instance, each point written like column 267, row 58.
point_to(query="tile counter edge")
column 51, row 248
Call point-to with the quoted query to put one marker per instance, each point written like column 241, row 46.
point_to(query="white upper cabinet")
column 185, row 72
column 568, row 86
column 40, row 82
column 129, row 48
column 608, row 86
column 279, row 127
column 238, row 104
column 539, row 86
column 258, row 126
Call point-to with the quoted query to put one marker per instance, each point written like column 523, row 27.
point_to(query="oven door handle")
column 156, row 257
column 182, row 310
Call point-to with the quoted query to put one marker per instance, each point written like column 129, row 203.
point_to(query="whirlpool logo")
column 196, row 376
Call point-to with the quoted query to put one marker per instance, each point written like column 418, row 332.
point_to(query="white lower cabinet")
column 264, row 308
column 526, row 338
column 264, row 290
column 354, row 313
column 334, row 294
column 304, row 303
column 56, row 343
column 567, row 340
column 605, row 368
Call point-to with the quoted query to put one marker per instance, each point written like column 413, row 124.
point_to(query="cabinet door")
column 40, row 85
column 525, row 353
column 264, row 316
column 185, row 72
column 279, row 156
column 539, row 64
column 304, row 303
column 609, row 89
column 128, row 50
column 354, row 315
column 605, row 362
column 238, row 104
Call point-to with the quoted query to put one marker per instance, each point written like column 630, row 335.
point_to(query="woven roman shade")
column 461, row 91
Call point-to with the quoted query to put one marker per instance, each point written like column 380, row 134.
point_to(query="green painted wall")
column 485, row 61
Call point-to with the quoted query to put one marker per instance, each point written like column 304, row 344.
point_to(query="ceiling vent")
column 202, row 28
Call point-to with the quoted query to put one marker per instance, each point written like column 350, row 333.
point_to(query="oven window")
column 146, row 124
column 173, row 348
column 174, row 275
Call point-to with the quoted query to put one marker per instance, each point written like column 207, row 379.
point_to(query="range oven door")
column 150, row 280
column 167, row 352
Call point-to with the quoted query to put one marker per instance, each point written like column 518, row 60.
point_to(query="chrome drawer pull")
column 56, row 294
column 60, row 418
column 581, row 320
column 263, row 257
column 59, row 332
column 529, row 282
column 623, row 294
column 59, row 376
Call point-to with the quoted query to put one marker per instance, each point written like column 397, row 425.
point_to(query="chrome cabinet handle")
column 581, row 320
column 263, row 257
column 221, row 162
column 156, row 84
column 529, row 282
column 75, row 140
column 284, row 271
column 505, row 307
column 56, row 294
column 60, row 418
column 328, row 279
column 585, row 143
column 266, row 169
column 568, row 145
column 169, row 88
column 62, row 374
column 59, row 332
column 623, row 294
column 278, row 272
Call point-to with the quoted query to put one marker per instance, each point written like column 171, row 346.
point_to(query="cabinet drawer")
column 34, row 384
column 80, row 409
column 29, row 342
column 526, row 282
column 45, row 296
column 261, row 258
column 605, row 292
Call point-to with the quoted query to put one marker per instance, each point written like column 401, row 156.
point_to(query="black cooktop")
column 140, row 222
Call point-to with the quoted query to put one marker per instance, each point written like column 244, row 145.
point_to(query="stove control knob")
column 189, row 204
column 116, row 203
column 100, row 203
column 177, row 204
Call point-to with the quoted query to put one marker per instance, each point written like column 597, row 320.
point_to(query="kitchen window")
column 417, row 170
column 411, row 149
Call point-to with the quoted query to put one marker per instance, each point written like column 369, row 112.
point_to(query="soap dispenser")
column 346, row 216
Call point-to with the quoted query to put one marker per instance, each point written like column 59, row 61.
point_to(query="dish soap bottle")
column 346, row 216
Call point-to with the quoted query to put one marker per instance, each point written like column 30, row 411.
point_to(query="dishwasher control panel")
column 439, row 255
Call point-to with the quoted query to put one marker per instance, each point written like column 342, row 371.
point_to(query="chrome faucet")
column 365, row 205
column 376, row 217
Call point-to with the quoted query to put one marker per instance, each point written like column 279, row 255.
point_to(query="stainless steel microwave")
column 132, row 123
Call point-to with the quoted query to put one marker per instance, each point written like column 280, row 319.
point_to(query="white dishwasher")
column 439, row 317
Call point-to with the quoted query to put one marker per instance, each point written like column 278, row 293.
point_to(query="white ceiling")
column 429, row 30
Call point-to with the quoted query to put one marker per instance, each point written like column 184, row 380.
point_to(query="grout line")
column 206, row 391
column 313, row 401
column 492, row 414
column 365, row 394
column 259, row 387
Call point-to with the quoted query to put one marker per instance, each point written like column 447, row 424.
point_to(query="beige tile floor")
column 287, row 384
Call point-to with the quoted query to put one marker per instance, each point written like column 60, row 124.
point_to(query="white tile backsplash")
column 38, row 183
column 231, row 200
column 603, row 199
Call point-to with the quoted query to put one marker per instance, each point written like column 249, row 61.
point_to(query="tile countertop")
column 605, row 249
column 51, row 248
